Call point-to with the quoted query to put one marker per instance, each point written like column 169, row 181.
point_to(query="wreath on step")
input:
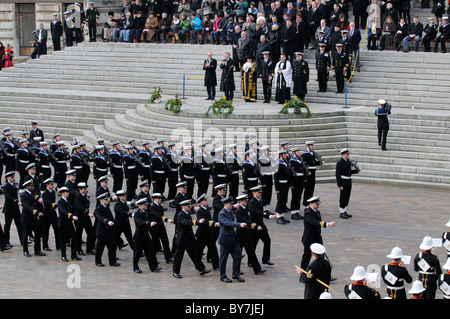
column 155, row 95
column 220, row 107
column 296, row 104
column 173, row 105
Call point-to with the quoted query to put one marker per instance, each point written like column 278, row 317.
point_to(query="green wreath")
column 173, row 105
column 297, row 104
column 220, row 107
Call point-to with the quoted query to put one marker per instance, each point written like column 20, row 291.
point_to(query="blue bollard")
column 184, row 82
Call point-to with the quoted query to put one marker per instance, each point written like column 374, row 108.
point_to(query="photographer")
column 382, row 112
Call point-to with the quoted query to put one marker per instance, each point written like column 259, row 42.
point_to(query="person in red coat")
column 8, row 56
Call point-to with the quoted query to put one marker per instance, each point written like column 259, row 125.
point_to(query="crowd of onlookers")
column 389, row 23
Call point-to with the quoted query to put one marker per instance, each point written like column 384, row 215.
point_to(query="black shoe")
column 156, row 269
column 333, row 279
column 239, row 278
column 26, row 254
column 296, row 216
column 138, row 271
column 115, row 264
column 348, row 215
column 122, row 246
column 280, row 221
column 100, row 265
column 177, row 276
column 385, row 149
column 47, row 249
column 343, row 216
column 76, row 258
column 285, row 220
column 64, row 259
column 39, row 253
column 261, row 271
column 205, row 271
column 268, row 262
column 226, row 280
column 81, row 253
column 91, row 252
column 169, row 261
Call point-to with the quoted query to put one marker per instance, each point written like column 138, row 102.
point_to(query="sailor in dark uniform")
column 311, row 160
column 234, row 166
column 131, row 171
column 60, row 165
column 266, row 179
column 299, row 175
column 220, row 170
column 319, row 269
column 44, row 168
column 282, row 179
column 344, row 172
column 382, row 123
column 340, row 66
column 76, row 162
column 266, row 73
column 203, row 170
column 187, row 170
column 116, row 169
column 100, row 165
column 159, row 232
column 250, row 172
column 65, row 225
column 24, row 158
column 11, row 150
column 173, row 159
column 146, row 157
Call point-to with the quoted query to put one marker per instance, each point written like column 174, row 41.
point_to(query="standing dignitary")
column 382, row 123
column 204, row 233
column 50, row 217
column 266, row 73
column 142, row 239
column 227, row 78
column 300, row 76
column 11, row 207
column 210, row 66
column 257, row 215
column 344, row 172
column 283, row 76
column 312, row 232
column 340, row 65
column 105, row 232
column 30, row 218
column 92, row 16
column 248, row 80
column 429, row 268
column 56, row 31
column 319, row 269
column 186, row 240
column 311, row 160
column 228, row 241
column 395, row 274
column 66, row 226
column 69, row 28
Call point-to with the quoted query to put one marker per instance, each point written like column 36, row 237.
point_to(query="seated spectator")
column 164, row 27
column 151, row 25
column 139, row 24
column 208, row 25
column 372, row 36
column 108, row 28
column 216, row 26
column 230, row 27
column 196, row 26
column 444, row 34
column 175, row 27
column 414, row 32
column 128, row 25
column 388, row 34
column 223, row 29
column 402, row 31
column 185, row 27
column 430, row 31
column 119, row 27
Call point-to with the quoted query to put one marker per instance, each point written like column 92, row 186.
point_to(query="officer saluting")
column 344, row 172
column 359, row 289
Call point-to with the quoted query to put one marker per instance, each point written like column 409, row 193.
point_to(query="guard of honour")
column 236, row 223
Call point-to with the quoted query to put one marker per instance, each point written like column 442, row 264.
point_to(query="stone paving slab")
column 382, row 218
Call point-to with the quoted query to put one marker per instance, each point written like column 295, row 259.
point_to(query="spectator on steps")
column 388, row 33
column 414, row 32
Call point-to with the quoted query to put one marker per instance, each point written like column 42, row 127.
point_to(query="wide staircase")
column 100, row 90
